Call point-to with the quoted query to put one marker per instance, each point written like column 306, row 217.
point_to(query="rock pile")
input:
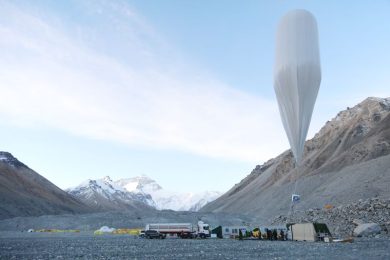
column 344, row 219
column 367, row 229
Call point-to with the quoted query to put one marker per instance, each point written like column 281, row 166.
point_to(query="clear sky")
column 178, row 90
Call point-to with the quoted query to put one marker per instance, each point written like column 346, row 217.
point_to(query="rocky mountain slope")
column 106, row 194
column 347, row 160
column 23, row 192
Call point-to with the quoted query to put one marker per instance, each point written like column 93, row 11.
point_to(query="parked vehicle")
column 182, row 230
column 154, row 234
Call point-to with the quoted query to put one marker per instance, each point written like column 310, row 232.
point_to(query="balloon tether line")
column 290, row 213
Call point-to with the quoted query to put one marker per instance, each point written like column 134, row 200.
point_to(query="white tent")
column 309, row 231
column 304, row 232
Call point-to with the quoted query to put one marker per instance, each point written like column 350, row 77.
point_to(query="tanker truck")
column 182, row 230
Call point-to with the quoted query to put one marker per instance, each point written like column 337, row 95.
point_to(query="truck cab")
column 203, row 229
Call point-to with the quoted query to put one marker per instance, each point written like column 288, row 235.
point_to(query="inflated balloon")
column 297, row 75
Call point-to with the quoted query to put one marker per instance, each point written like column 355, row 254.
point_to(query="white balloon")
column 297, row 75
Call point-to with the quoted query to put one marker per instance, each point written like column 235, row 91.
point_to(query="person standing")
column 274, row 235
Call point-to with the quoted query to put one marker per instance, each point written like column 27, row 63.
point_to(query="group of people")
column 273, row 234
column 270, row 234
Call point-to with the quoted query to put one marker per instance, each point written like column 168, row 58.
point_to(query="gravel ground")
column 18, row 245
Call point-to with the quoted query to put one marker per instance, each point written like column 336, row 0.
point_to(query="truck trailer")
column 182, row 230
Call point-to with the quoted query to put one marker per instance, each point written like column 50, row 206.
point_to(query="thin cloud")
column 51, row 76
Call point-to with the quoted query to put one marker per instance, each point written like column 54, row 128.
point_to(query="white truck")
column 182, row 230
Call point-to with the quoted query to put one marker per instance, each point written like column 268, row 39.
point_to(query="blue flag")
column 295, row 198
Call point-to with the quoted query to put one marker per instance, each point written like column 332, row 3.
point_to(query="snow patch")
column 131, row 186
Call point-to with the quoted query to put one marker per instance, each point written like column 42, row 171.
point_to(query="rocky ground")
column 22, row 245
column 120, row 219
column 16, row 243
column 343, row 219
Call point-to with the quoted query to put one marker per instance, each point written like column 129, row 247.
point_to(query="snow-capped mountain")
column 104, row 194
column 164, row 199
column 107, row 194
